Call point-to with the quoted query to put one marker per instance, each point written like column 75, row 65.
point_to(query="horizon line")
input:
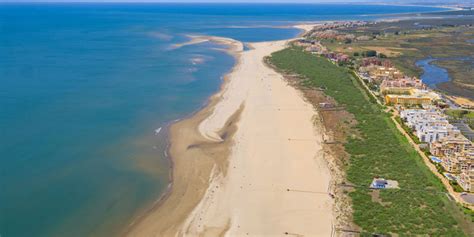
column 215, row 1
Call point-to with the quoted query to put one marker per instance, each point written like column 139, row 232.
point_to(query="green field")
column 420, row 207
column 459, row 113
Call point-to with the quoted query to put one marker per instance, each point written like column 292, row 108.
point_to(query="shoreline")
column 447, row 7
column 167, row 215
column 247, row 198
column 233, row 49
column 206, row 110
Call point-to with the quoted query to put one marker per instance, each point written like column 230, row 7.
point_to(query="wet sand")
column 249, row 163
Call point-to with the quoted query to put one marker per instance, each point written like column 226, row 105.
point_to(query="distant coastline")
column 100, row 59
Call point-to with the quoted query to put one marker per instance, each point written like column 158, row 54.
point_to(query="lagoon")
column 432, row 74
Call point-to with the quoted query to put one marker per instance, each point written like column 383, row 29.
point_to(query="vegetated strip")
column 380, row 150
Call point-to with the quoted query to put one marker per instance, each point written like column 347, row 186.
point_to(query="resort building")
column 412, row 97
column 381, row 73
column 457, row 155
column 309, row 45
column 432, row 133
column 407, row 100
column 337, row 57
column 316, row 48
column 413, row 117
column 451, row 149
column 302, row 43
column 450, row 145
column 467, row 161
column 428, row 125
column 325, row 34
column 401, row 86
column 457, row 162
column 466, row 179
column 374, row 61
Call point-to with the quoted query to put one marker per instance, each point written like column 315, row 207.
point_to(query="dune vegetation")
column 420, row 206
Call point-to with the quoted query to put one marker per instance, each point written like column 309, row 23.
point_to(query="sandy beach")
column 250, row 163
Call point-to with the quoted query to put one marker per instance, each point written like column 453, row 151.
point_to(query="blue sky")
column 256, row 1
column 253, row 1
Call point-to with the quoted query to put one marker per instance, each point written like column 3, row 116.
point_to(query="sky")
column 253, row 1
column 220, row 1
column 186, row 0
column 257, row 1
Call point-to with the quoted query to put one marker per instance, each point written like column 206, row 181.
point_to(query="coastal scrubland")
column 377, row 149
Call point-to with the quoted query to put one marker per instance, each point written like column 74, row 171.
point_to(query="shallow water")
column 432, row 73
column 84, row 88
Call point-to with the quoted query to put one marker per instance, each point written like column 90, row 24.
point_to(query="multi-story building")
column 432, row 133
column 466, row 179
column 337, row 57
column 380, row 73
column 412, row 97
column 468, row 160
column 428, row 125
column 450, row 145
column 445, row 141
column 326, row 34
column 457, row 156
column 407, row 100
column 374, row 61
column 457, row 162
column 401, row 86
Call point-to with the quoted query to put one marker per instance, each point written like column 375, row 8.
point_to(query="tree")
column 369, row 53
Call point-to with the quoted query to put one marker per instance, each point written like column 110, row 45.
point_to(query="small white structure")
column 380, row 183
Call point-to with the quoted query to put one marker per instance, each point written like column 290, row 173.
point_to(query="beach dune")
column 277, row 180
column 253, row 162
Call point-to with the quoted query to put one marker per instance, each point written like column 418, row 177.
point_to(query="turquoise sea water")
column 85, row 86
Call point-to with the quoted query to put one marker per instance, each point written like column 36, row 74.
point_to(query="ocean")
column 87, row 91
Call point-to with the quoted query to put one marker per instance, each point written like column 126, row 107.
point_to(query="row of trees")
column 370, row 53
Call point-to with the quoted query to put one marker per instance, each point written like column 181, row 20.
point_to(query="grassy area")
column 419, row 207
column 408, row 130
column 460, row 70
column 459, row 113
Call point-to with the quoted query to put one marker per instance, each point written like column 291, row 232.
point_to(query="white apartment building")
column 428, row 125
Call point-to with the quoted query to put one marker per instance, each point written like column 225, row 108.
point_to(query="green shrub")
column 380, row 150
column 369, row 53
